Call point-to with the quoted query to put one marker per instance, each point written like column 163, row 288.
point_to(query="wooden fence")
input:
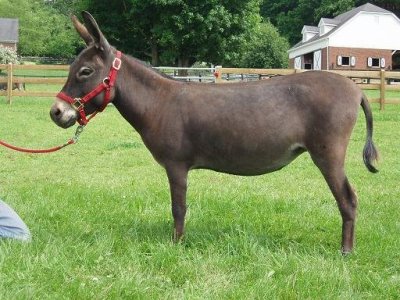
column 11, row 79
column 379, row 80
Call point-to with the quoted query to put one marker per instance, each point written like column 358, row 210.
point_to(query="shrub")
column 8, row 55
column 266, row 49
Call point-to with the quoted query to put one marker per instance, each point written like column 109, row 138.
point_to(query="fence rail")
column 47, row 60
column 12, row 81
column 379, row 80
column 199, row 74
column 11, row 85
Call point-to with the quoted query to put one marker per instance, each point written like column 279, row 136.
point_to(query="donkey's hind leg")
column 346, row 198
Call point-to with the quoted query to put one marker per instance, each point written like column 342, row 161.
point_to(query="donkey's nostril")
column 56, row 112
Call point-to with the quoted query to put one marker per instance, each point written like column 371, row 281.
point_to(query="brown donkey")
column 240, row 128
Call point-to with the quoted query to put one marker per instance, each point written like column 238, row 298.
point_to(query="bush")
column 266, row 49
column 8, row 55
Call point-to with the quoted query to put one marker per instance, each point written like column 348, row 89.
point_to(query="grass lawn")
column 99, row 213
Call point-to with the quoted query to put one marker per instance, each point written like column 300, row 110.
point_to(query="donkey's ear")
column 99, row 40
column 83, row 32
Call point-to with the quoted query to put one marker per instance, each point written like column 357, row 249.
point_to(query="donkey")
column 244, row 129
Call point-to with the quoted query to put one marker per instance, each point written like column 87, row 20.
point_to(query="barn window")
column 374, row 62
column 345, row 61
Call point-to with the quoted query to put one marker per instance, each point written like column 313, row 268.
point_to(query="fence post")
column 382, row 90
column 218, row 74
column 9, row 82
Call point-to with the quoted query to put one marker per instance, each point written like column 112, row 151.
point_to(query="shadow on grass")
column 234, row 238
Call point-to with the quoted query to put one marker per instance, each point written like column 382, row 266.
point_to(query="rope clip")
column 78, row 132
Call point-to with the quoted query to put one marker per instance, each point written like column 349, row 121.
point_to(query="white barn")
column 365, row 38
column 9, row 33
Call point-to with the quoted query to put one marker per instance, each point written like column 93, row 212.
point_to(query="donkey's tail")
column 370, row 153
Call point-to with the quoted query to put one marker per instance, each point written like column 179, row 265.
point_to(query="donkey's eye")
column 85, row 72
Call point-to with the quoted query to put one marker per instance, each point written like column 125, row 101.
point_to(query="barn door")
column 297, row 63
column 317, row 60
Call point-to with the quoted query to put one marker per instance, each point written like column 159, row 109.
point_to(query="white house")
column 365, row 38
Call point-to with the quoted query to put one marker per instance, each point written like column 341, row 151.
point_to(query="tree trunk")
column 183, row 62
column 155, row 57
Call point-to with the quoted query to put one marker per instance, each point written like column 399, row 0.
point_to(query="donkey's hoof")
column 177, row 239
column 345, row 252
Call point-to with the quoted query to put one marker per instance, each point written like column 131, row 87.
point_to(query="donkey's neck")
column 140, row 91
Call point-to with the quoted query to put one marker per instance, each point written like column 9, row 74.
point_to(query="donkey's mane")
column 151, row 68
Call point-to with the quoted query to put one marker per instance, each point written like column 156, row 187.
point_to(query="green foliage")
column 43, row 31
column 61, row 40
column 66, row 7
column 172, row 32
column 290, row 16
column 211, row 32
column 329, row 8
column 8, row 55
column 177, row 31
column 266, row 49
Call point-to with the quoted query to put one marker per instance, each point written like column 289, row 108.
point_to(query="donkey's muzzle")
column 63, row 114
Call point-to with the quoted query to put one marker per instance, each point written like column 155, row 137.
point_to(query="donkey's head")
column 88, row 77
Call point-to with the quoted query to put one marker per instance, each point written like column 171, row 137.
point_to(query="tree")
column 330, row 9
column 42, row 30
column 266, row 49
column 207, row 31
column 66, row 7
column 289, row 16
column 179, row 31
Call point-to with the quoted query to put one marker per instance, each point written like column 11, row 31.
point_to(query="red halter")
column 106, row 86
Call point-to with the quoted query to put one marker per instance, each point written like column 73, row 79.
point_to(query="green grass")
column 99, row 212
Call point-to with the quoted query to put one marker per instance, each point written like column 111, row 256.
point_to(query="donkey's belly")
column 250, row 164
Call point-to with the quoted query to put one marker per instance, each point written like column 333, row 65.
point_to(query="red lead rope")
column 71, row 141
column 25, row 150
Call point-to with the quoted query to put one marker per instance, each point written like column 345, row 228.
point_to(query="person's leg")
column 11, row 225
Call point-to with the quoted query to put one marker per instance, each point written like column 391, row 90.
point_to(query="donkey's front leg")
column 177, row 176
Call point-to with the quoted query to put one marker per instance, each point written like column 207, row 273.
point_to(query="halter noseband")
column 106, row 86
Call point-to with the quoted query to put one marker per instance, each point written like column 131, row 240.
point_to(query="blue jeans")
column 11, row 225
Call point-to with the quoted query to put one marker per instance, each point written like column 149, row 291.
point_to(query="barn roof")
column 9, row 30
column 368, row 7
column 307, row 28
column 339, row 20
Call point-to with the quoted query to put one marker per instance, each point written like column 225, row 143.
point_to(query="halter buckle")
column 106, row 82
column 77, row 104
column 116, row 63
